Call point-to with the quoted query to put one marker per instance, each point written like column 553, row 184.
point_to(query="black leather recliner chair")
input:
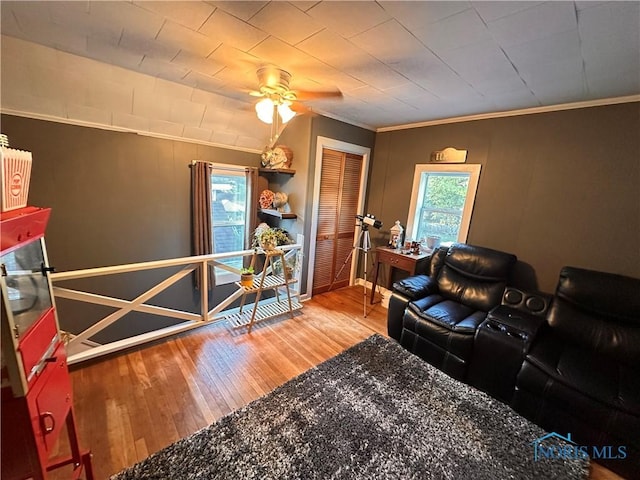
column 435, row 315
column 582, row 373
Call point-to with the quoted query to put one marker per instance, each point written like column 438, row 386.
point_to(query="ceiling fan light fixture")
column 264, row 110
column 285, row 112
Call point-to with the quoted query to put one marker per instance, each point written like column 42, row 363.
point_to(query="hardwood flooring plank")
column 142, row 451
column 137, row 366
column 207, row 376
column 141, row 421
column 194, row 381
column 122, row 448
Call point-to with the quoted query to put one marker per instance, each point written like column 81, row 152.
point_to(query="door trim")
column 330, row 143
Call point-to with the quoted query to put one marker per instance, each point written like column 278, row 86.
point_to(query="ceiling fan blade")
column 303, row 95
column 300, row 108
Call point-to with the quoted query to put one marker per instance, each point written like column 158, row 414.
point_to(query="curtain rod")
column 220, row 166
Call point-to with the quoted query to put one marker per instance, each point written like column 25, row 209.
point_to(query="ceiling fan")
column 279, row 102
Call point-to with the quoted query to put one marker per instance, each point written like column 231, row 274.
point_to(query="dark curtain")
column 201, row 211
column 252, row 208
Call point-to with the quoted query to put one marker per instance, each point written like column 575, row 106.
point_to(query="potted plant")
column 269, row 238
column 288, row 273
column 291, row 261
column 246, row 277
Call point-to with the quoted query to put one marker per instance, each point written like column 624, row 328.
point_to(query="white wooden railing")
column 81, row 348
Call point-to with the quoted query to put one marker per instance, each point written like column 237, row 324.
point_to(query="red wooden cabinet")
column 36, row 395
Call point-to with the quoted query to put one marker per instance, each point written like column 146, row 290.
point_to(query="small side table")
column 499, row 348
column 392, row 257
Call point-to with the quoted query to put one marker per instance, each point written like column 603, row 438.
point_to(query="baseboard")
column 384, row 293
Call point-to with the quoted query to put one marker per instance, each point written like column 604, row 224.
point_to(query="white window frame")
column 222, row 276
column 418, row 192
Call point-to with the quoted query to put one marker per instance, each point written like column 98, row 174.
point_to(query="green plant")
column 269, row 235
column 246, row 277
column 290, row 265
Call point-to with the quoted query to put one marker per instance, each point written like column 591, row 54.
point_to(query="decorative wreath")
column 266, row 199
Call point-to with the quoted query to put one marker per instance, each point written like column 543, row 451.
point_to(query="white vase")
column 433, row 241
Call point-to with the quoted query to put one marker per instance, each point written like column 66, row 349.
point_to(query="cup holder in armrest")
column 517, row 334
column 533, row 303
column 498, row 327
column 512, row 332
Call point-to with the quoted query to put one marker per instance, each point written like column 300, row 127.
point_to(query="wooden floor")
column 134, row 404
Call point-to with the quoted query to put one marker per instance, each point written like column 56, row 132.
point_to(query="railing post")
column 204, row 290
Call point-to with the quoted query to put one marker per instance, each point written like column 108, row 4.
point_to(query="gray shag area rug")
column 373, row 411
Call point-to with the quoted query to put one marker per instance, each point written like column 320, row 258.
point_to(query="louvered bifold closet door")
column 346, row 221
column 339, row 196
column 327, row 213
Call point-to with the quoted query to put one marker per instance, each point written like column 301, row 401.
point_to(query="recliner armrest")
column 416, row 287
column 403, row 292
column 397, row 306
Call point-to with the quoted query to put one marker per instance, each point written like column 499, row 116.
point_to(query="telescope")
column 369, row 219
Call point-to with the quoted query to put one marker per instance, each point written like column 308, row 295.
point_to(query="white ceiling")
column 184, row 68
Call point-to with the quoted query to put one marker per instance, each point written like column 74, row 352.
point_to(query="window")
column 229, row 215
column 442, row 201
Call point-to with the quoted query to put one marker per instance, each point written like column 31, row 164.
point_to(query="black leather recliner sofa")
column 577, row 360
column 435, row 315
column 582, row 372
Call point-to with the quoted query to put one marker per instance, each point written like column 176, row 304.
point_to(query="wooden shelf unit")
column 277, row 214
column 262, row 312
column 273, row 216
column 282, row 171
column 267, row 281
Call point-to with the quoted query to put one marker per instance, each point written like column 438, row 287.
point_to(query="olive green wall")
column 116, row 198
column 555, row 189
column 296, row 137
column 121, row 198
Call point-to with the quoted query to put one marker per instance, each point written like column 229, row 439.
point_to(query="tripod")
column 365, row 240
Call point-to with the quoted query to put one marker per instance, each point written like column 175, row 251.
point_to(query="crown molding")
column 343, row 120
column 113, row 128
column 429, row 123
column 512, row 113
